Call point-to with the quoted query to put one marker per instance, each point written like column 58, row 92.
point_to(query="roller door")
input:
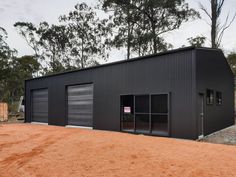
column 80, row 105
column 40, row 105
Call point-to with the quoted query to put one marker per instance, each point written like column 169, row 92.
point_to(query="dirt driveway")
column 35, row 150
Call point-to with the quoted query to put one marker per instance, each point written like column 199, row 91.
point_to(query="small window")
column 210, row 96
column 218, row 98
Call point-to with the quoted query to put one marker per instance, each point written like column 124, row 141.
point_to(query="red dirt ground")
column 47, row 151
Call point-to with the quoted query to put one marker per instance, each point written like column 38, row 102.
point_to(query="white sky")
column 35, row 11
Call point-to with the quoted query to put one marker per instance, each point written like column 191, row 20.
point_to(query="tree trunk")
column 82, row 55
column 153, row 25
column 154, row 39
column 53, row 60
column 129, row 32
column 139, row 47
column 214, row 23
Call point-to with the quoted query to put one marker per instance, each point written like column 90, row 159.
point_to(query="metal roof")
column 129, row 60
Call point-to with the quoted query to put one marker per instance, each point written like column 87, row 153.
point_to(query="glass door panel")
column 142, row 116
column 159, row 114
column 127, row 113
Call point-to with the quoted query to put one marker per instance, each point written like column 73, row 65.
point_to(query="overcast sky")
column 36, row 11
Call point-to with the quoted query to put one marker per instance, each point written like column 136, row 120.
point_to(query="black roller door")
column 80, row 105
column 40, row 105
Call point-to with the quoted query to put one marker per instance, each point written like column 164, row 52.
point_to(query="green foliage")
column 232, row 61
column 198, row 41
column 5, row 55
column 13, row 71
column 18, row 70
column 86, row 35
column 29, row 32
column 141, row 24
column 49, row 44
column 77, row 42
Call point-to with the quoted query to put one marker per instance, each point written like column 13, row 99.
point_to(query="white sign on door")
column 127, row 109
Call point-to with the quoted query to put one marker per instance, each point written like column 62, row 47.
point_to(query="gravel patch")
column 225, row 136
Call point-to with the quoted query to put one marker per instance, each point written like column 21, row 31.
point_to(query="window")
column 218, row 98
column 159, row 114
column 210, row 96
column 147, row 114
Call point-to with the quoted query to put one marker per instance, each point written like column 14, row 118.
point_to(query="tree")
column 232, row 61
column 6, row 55
column 29, row 32
column 76, row 42
column 198, row 41
column 148, row 21
column 124, row 19
column 50, row 44
column 217, row 28
column 20, row 69
column 13, row 71
column 87, row 35
column 55, row 43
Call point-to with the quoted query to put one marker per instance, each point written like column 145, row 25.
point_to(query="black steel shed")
column 183, row 93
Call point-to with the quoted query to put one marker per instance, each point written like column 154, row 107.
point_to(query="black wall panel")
column 173, row 72
column 213, row 72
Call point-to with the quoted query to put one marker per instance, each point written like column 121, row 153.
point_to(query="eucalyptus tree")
column 50, row 44
column 55, row 42
column 217, row 28
column 87, row 35
column 20, row 69
column 125, row 21
column 148, row 20
column 6, row 56
column 231, row 58
column 29, row 32
column 197, row 41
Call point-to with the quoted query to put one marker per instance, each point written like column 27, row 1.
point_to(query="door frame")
column 149, row 94
column 66, row 105
column 200, row 115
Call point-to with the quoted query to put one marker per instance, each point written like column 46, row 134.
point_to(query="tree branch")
column 204, row 10
column 225, row 27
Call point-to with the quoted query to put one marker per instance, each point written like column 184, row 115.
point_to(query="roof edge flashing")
column 126, row 61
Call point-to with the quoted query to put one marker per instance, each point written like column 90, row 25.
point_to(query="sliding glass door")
column 146, row 114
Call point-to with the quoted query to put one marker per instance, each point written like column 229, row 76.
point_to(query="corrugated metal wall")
column 170, row 73
column 213, row 72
